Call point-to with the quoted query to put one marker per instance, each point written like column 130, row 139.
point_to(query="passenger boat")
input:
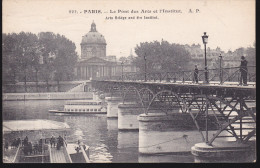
column 39, row 133
column 82, row 107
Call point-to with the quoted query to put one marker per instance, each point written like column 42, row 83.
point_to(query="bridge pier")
column 112, row 106
column 112, row 124
column 127, row 116
column 224, row 151
column 161, row 133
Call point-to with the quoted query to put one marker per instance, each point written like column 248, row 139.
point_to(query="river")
column 107, row 144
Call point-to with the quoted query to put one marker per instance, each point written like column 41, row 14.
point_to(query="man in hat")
column 196, row 72
column 243, row 71
column 52, row 141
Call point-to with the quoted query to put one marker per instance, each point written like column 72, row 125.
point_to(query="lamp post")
column 220, row 69
column 122, row 64
column 145, row 67
column 205, row 41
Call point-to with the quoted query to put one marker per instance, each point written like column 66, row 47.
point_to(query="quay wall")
column 31, row 87
column 47, row 96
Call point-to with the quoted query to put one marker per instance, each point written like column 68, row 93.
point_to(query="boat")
column 82, row 107
column 40, row 150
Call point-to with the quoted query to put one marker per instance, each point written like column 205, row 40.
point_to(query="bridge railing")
column 217, row 76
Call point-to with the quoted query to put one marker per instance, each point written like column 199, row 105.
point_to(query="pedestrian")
column 25, row 141
column 13, row 144
column 6, row 145
column 60, row 142
column 52, row 141
column 35, row 148
column 30, row 148
column 243, row 71
column 18, row 142
column 77, row 149
column 196, row 72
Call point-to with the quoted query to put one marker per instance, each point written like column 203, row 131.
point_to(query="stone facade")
column 94, row 62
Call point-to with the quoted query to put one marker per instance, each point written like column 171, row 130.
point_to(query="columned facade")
column 94, row 63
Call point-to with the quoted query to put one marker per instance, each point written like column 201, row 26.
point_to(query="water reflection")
column 127, row 146
column 107, row 144
column 90, row 129
column 248, row 157
column 165, row 158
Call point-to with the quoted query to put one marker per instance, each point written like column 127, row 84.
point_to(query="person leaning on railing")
column 243, row 71
column 196, row 72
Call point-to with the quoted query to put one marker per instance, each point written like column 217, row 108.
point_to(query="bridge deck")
column 58, row 156
column 212, row 84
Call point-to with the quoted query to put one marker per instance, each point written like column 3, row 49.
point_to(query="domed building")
column 93, row 62
column 93, row 44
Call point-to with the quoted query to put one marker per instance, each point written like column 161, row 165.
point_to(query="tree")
column 26, row 53
column 122, row 59
column 161, row 56
column 250, row 53
column 65, row 59
column 47, row 56
column 10, row 62
column 18, row 54
column 239, row 52
column 59, row 56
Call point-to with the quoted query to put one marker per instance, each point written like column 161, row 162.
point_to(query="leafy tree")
column 65, row 58
column 19, row 52
column 26, row 51
column 47, row 45
column 10, row 68
column 251, row 56
column 122, row 59
column 161, row 56
column 59, row 56
column 47, row 57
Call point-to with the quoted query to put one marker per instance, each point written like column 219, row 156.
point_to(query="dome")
column 93, row 37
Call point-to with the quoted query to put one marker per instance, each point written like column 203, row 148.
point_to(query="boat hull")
column 67, row 112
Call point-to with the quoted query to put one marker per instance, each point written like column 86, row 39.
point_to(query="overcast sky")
column 229, row 23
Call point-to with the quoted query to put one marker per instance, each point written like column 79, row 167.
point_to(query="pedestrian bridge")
column 228, row 103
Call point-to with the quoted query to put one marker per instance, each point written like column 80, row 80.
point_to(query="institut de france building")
column 94, row 62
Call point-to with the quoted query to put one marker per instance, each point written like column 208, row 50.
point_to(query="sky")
column 230, row 24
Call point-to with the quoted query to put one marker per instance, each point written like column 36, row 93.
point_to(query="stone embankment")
column 47, row 96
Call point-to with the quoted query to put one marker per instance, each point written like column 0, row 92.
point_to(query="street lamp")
column 205, row 41
column 145, row 67
column 122, row 64
column 220, row 69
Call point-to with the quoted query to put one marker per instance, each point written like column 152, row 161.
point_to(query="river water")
column 107, row 144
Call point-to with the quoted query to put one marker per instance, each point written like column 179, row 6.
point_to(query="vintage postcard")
column 120, row 81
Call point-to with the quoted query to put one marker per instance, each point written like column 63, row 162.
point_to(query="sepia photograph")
column 120, row 81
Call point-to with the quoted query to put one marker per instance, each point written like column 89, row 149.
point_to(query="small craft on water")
column 82, row 107
column 44, row 142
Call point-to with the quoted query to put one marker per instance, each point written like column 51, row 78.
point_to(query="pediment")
column 95, row 60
